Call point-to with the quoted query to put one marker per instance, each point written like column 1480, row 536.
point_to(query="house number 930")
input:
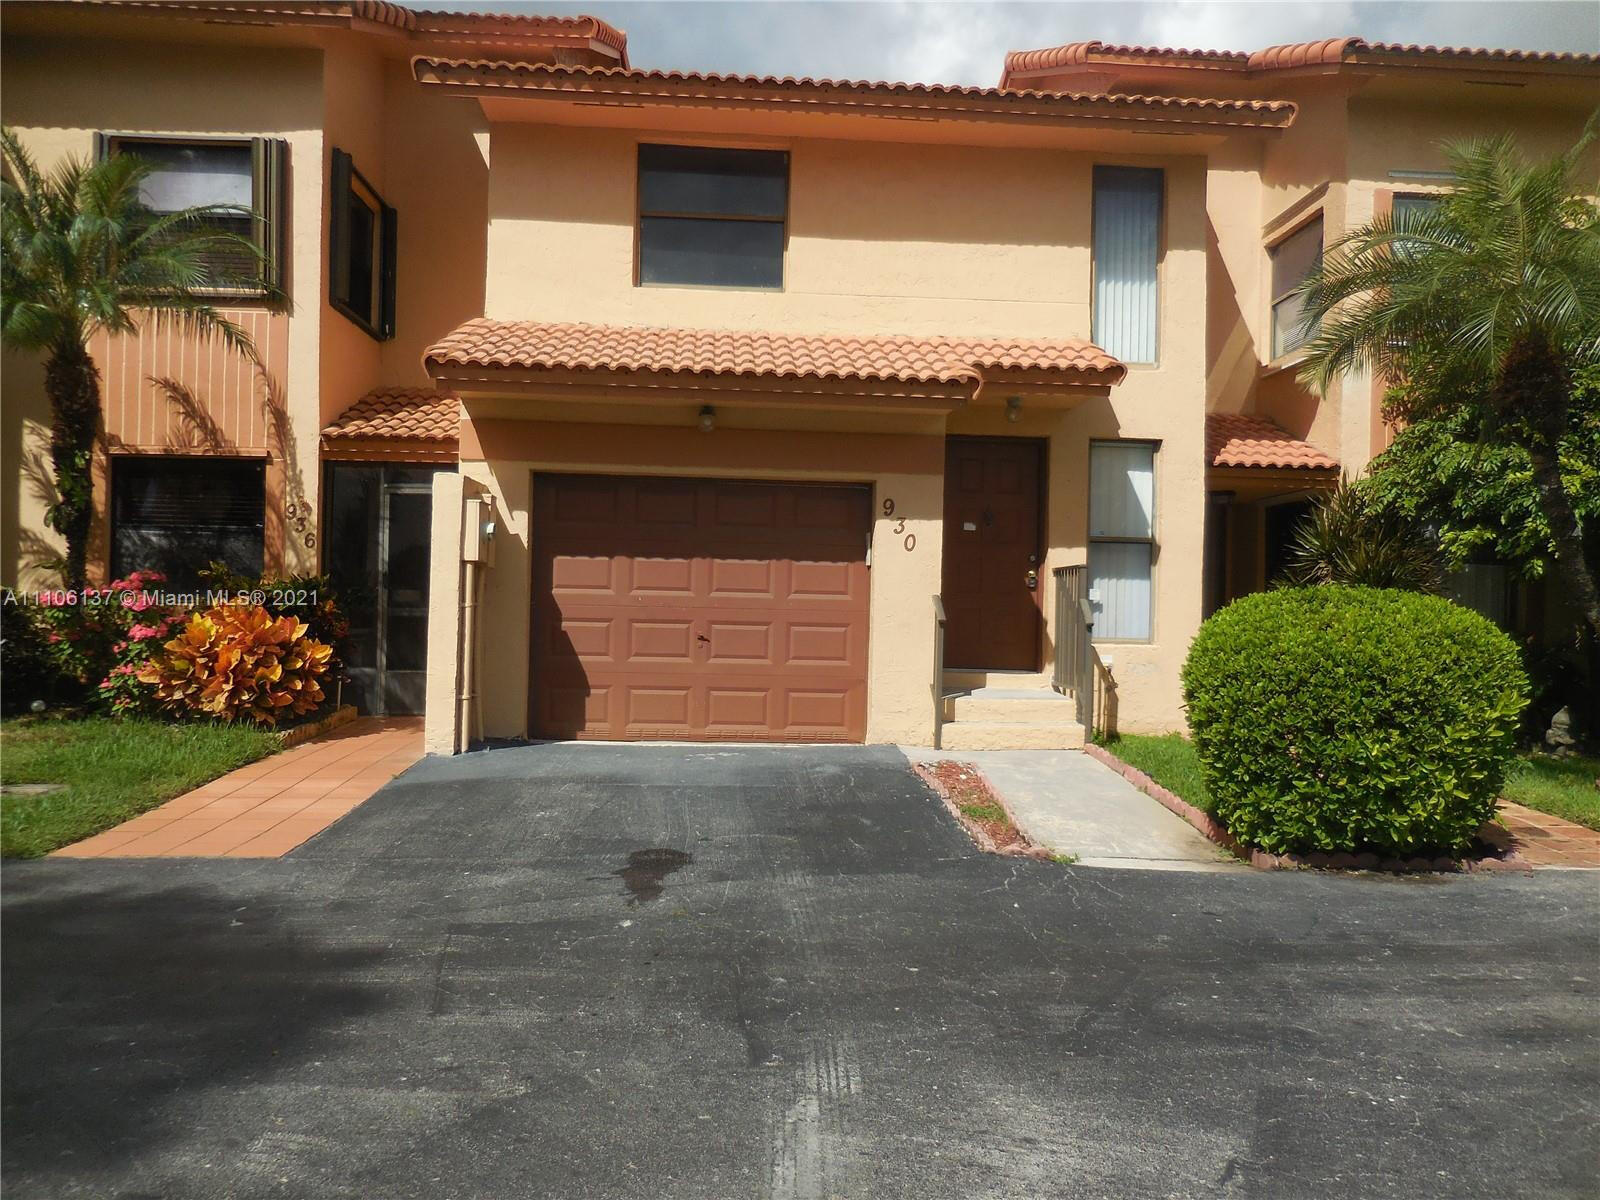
column 908, row 540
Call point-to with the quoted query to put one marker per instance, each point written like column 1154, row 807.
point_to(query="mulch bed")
column 978, row 808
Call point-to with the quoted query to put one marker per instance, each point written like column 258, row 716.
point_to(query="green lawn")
column 1563, row 787
column 112, row 770
column 1169, row 759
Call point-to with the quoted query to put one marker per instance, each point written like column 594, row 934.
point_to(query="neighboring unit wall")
column 58, row 94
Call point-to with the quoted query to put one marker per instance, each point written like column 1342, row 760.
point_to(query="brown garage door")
column 699, row 609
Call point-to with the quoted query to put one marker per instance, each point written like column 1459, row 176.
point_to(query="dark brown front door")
column 991, row 553
column 699, row 609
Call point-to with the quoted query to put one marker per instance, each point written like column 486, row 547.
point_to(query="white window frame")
column 1152, row 541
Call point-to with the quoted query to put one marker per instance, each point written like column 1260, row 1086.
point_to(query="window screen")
column 1127, row 250
column 712, row 217
column 178, row 515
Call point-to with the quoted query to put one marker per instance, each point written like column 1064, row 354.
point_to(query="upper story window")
column 1293, row 260
column 242, row 173
column 1127, row 251
column 361, row 252
column 712, row 217
column 1408, row 207
column 1122, row 532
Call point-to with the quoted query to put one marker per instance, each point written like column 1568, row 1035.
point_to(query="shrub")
column 27, row 669
column 311, row 599
column 236, row 661
column 1352, row 719
column 86, row 636
column 1345, row 540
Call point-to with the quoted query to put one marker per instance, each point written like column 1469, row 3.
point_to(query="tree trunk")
column 1535, row 394
column 72, row 382
column 1570, row 565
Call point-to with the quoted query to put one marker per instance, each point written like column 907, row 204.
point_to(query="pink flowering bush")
column 99, row 639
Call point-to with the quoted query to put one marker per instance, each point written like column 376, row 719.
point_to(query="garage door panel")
column 659, row 576
column 725, row 610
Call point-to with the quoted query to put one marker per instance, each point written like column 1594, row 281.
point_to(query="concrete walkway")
column 1068, row 802
column 266, row 809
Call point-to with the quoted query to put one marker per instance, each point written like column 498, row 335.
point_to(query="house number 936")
column 908, row 540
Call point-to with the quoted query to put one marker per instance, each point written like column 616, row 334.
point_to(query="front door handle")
column 1033, row 581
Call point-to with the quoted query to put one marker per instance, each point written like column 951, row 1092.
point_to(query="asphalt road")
column 575, row 971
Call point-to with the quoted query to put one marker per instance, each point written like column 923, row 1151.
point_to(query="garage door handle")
column 700, row 637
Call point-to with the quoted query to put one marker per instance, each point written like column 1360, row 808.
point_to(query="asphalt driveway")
column 577, row 971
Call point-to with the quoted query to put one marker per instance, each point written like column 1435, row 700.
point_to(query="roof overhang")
column 735, row 368
column 885, row 111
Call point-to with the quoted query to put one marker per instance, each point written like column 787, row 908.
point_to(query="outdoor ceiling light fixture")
column 1013, row 409
column 708, row 418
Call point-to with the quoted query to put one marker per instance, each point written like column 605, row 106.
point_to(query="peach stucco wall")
column 882, row 239
column 1351, row 147
column 57, row 95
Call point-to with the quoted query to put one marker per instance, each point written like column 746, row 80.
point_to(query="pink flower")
column 53, row 638
column 140, row 633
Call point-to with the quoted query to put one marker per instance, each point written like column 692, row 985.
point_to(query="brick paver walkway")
column 1541, row 840
column 268, row 808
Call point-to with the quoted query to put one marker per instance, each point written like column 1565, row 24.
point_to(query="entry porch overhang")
column 739, row 368
column 1253, row 457
column 396, row 424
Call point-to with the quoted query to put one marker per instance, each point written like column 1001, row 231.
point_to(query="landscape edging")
column 1212, row 829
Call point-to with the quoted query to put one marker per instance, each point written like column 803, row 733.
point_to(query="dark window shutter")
column 269, row 158
column 339, row 229
column 386, row 279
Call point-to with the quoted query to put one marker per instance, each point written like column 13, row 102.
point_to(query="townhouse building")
column 636, row 403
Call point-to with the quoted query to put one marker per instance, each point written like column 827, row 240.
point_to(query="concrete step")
column 1042, row 705
column 958, row 679
column 1011, row 735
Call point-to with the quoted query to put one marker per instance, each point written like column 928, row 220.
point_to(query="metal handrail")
column 938, row 671
column 1079, row 669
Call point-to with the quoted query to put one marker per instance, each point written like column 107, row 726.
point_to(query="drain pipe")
column 477, row 552
column 469, row 657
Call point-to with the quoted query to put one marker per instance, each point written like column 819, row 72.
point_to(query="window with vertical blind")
column 1293, row 260
column 1122, row 510
column 1127, row 249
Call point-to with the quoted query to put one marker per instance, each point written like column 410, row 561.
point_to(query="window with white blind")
column 1122, row 509
column 1127, row 249
column 1293, row 260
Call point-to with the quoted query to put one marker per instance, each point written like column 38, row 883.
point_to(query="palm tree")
column 81, row 252
column 1490, row 301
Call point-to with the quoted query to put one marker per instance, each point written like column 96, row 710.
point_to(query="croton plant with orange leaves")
column 238, row 661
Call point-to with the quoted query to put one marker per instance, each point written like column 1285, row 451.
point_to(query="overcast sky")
column 966, row 43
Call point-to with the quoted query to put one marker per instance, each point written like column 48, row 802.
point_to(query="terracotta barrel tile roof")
column 400, row 414
column 1324, row 52
column 1238, row 440
column 484, row 343
column 864, row 96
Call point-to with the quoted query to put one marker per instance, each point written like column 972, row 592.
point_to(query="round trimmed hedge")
column 1353, row 719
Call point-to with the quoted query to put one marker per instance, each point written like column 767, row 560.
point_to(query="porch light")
column 1013, row 408
column 708, row 418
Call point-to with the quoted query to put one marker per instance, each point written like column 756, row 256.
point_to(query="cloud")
column 966, row 43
